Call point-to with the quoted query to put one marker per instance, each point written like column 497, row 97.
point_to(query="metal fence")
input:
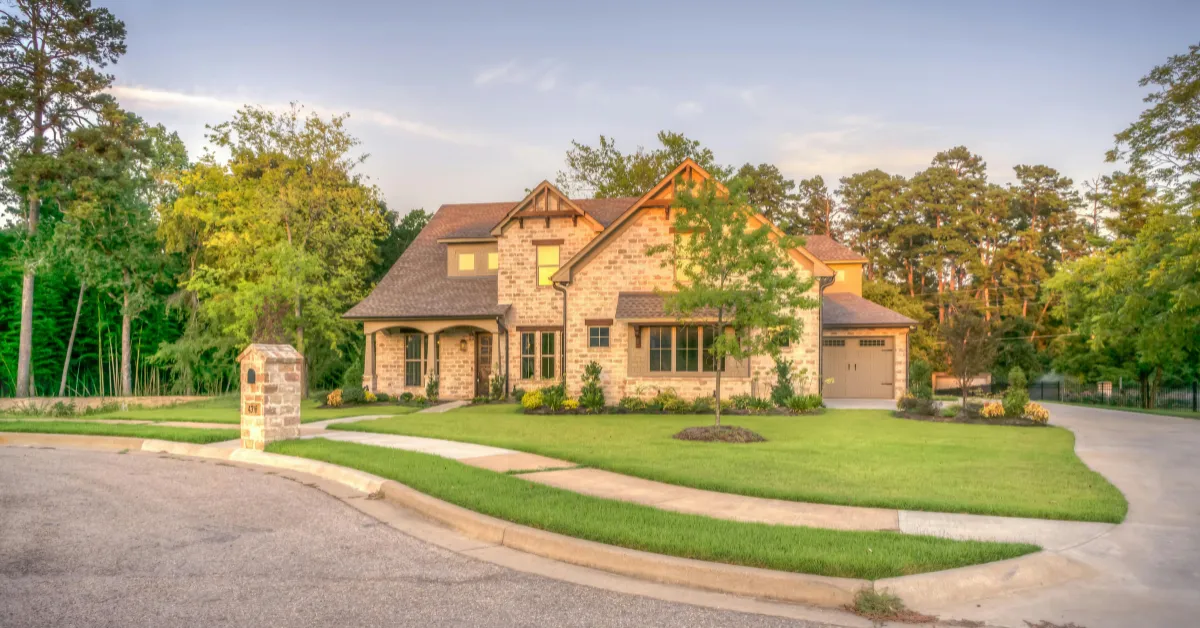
column 1183, row 398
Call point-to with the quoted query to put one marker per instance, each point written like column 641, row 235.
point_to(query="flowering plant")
column 993, row 410
column 1036, row 412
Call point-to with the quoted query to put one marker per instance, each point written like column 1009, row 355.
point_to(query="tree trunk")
column 62, row 383
column 126, row 349
column 300, row 348
column 25, row 346
column 718, row 396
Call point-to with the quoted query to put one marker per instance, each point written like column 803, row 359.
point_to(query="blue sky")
column 462, row 102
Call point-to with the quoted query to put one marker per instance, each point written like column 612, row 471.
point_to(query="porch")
column 403, row 355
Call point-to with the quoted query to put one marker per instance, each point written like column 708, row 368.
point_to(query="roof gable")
column 545, row 201
column 662, row 195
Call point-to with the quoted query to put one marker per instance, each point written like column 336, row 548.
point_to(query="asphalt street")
column 109, row 539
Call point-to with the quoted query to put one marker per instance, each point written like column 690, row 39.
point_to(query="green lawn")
column 851, row 457
column 180, row 434
column 1183, row 414
column 870, row 555
column 225, row 410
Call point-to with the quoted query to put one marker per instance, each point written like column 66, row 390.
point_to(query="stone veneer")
column 899, row 343
column 270, row 405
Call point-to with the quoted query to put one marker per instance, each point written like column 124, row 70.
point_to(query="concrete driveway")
column 1150, row 564
column 861, row 404
column 107, row 539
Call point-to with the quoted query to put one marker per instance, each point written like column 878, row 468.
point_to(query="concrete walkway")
column 191, row 424
column 1149, row 565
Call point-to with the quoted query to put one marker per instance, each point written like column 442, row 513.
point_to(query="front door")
column 483, row 363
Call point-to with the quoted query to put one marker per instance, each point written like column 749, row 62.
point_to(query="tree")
column 111, row 173
column 1164, row 144
column 400, row 233
column 969, row 346
column 280, row 240
column 773, row 195
column 605, row 172
column 871, row 202
column 817, row 209
column 734, row 271
column 50, row 55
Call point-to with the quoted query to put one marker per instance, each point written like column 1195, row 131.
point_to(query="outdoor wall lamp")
column 462, row 345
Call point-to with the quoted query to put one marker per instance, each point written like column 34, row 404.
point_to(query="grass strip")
column 225, row 410
column 179, row 434
column 843, row 457
column 870, row 555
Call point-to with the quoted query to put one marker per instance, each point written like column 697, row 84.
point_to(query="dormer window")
column 466, row 262
column 493, row 261
column 472, row 257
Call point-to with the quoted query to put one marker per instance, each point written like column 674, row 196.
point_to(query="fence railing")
column 1184, row 398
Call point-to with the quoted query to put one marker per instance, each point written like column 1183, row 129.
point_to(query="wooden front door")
column 483, row 363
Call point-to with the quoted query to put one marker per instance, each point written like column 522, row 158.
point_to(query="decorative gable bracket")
column 545, row 202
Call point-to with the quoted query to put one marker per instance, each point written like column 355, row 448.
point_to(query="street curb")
column 964, row 584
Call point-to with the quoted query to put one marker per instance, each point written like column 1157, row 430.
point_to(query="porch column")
column 371, row 362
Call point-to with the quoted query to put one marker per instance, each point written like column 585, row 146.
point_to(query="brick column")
column 270, row 394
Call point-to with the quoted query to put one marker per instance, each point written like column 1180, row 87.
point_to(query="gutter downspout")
column 562, row 287
column 500, row 325
column 822, row 284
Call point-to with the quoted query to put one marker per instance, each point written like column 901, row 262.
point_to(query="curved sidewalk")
column 1051, row 535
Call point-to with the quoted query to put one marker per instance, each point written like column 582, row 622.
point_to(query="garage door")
column 861, row 368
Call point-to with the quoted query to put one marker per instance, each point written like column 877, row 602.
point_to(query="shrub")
column 554, row 396
column 675, row 405
column 369, row 397
column 913, row 405
column 803, row 403
column 950, row 410
column 761, row 404
column 702, row 405
column 631, row 404
column 993, row 410
column 571, row 404
column 420, row 399
column 353, row 394
column 480, row 399
column 740, row 402
column 663, row 398
column 496, row 387
column 432, row 388
column 1036, row 412
column 591, row 397
column 532, row 400
column 783, row 390
column 406, row 397
column 384, row 397
column 920, row 374
column 518, row 393
column 334, row 399
column 353, row 376
column 1017, row 394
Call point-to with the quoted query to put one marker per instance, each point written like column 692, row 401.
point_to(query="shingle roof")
column 827, row 249
column 650, row 305
column 845, row 309
column 417, row 285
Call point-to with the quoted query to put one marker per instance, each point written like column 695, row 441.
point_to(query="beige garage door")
column 861, row 368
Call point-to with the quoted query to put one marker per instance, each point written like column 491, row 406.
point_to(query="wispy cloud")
column 689, row 108
column 852, row 143
column 749, row 96
column 159, row 99
column 542, row 75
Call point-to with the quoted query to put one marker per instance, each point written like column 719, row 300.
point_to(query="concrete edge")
column 963, row 584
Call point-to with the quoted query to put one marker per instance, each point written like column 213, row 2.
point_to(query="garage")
column 858, row 367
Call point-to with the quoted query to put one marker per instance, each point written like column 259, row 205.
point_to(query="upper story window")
column 493, row 260
column 598, row 336
column 547, row 263
column 466, row 261
column 471, row 259
column 841, row 276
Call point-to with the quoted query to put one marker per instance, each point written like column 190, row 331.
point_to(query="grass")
column 225, row 410
column 180, row 434
column 869, row 555
column 1176, row 412
column 847, row 457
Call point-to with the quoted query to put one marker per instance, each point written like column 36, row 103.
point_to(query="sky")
column 471, row 102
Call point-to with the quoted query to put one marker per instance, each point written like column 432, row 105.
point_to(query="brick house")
column 534, row 290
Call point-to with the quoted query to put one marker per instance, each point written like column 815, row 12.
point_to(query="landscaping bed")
column 840, row 553
column 844, row 457
column 720, row 434
column 970, row 419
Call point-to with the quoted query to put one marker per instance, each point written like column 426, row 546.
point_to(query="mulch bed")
column 970, row 420
column 720, row 434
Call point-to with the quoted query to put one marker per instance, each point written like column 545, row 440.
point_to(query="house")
column 531, row 291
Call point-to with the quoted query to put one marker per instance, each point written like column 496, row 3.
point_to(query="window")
column 547, row 263
column 841, row 276
column 834, row 342
column 412, row 359
column 597, row 336
column 708, row 362
column 548, row 354
column 466, row 261
column 687, row 352
column 493, row 260
column 873, row 342
column 660, row 348
column 528, row 355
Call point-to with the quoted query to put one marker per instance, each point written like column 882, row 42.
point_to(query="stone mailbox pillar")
column 270, row 384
